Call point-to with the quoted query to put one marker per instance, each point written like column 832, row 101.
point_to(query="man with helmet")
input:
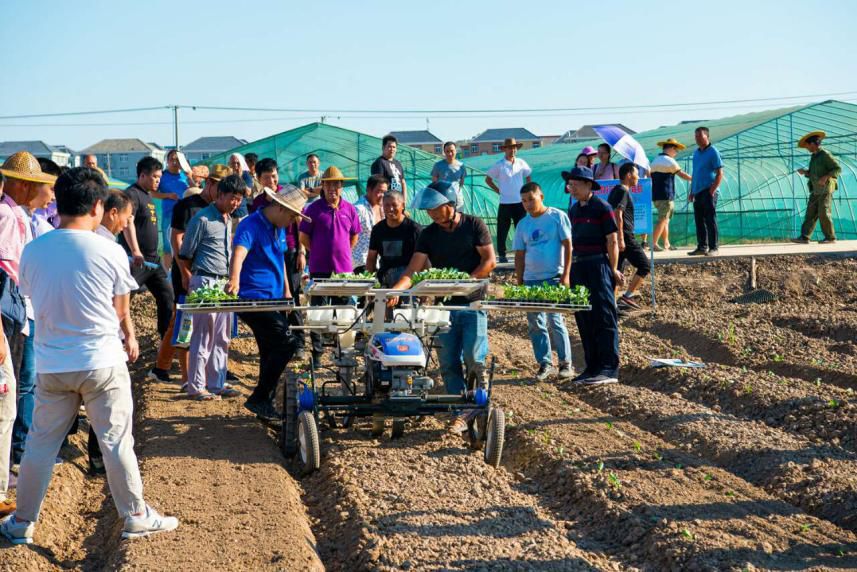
column 460, row 241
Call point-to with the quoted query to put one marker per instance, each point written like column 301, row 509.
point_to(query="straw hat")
column 510, row 142
column 334, row 174
column 218, row 172
column 672, row 141
column 25, row 167
column 291, row 198
column 811, row 134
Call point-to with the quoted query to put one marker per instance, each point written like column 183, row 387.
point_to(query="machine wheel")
column 308, row 444
column 495, row 436
column 398, row 427
column 288, row 429
column 377, row 425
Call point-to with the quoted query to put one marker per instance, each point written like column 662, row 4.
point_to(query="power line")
column 423, row 112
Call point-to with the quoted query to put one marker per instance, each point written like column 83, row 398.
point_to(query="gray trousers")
column 106, row 394
column 209, row 346
column 8, row 412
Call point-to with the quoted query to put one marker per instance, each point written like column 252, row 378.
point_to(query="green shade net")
column 354, row 153
column 762, row 198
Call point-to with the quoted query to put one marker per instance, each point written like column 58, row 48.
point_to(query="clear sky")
column 408, row 55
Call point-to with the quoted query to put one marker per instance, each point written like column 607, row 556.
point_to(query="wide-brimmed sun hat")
column 581, row 174
column 802, row 143
column 334, row 174
column 672, row 141
column 218, row 172
column 25, row 167
column 588, row 150
column 289, row 197
column 511, row 142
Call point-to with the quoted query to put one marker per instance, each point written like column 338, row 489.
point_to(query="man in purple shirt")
column 329, row 237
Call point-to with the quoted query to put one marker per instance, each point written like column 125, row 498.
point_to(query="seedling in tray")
column 209, row 294
column 546, row 293
column 356, row 277
column 439, row 274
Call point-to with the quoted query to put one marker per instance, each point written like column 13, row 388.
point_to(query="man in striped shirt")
column 595, row 258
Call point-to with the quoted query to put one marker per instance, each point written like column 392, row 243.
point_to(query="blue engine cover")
column 396, row 349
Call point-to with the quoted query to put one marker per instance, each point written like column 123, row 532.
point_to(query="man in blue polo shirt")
column 594, row 264
column 258, row 272
column 707, row 176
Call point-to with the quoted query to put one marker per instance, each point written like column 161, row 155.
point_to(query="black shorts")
column 634, row 254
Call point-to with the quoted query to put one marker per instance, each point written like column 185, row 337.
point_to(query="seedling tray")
column 274, row 305
column 433, row 287
column 328, row 287
column 533, row 306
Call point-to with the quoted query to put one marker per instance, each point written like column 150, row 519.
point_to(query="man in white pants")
column 79, row 357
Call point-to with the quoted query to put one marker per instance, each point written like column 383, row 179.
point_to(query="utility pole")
column 176, row 125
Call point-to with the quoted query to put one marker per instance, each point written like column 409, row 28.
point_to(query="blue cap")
column 435, row 195
column 581, row 174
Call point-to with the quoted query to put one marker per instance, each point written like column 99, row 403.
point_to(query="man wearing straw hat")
column 821, row 174
column 25, row 182
column 259, row 272
column 506, row 177
column 664, row 171
column 328, row 235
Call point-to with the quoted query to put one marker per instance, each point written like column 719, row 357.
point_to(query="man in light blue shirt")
column 707, row 176
column 543, row 256
column 449, row 169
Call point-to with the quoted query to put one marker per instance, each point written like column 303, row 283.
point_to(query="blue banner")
column 641, row 194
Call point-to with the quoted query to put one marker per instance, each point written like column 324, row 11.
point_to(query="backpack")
column 12, row 304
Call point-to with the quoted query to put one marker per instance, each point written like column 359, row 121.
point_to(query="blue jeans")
column 26, row 396
column 468, row 338
column 546, row 330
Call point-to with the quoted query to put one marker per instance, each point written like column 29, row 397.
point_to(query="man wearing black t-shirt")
column 140, row 240
column 459, row 241
column 393, row 239
column 184, row 210
column 629, row 249
column 390, row 167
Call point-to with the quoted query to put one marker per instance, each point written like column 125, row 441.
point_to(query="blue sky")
column 337, row 55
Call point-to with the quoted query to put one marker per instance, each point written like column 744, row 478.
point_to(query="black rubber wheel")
column 495, row 437
column 398, row 428
column 288, row 429
column 308, row 444
column 377, row 425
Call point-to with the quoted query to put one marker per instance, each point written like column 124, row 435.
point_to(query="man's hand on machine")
column 232, row 287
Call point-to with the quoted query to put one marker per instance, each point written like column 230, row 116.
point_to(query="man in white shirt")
column 370, row 212
column 506, row 177
column 79, row 357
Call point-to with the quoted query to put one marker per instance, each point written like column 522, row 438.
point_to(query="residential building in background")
column 488, row 142
column 59, row 154
column 118, row 157
column 205, row 147
column 423, row 140
column 587, row 132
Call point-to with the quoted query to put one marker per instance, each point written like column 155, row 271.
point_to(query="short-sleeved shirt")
column 330, row 235
column 171, row 184
column 454, row 172
column 13, row 236
column 705, row 164
column 392, row 170
column 77, row 323
column 509, row 177
column 605, row 171
column 664, row 169
column 184, row 211
column 620, row 199
column 145, row 223
column 307, row 181
column 395, row 245
column 207, row 242
column 263, row 274
column 590, row 225
column 367, row 221
column 540, row 238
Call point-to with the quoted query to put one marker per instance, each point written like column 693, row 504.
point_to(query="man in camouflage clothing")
column 822, row 173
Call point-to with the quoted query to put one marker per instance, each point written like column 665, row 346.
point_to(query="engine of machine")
column 394, row 361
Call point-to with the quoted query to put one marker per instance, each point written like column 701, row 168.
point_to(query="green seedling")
column 637, row 446
column 687, row 534
column 439, row 274
column 614, row 480
column 355, row 277
column 708, row 477
column 609, row 425
column 778, row 358
column 213, row 293
column 730, row 494
column 560, row 450
column 546, row 293
column 600, row 466
column 679, row 466
column 658, row 456
column 832, row 403
column 804, row 528
column 748, row 389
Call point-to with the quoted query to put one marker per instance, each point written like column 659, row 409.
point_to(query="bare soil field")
column 747, row 464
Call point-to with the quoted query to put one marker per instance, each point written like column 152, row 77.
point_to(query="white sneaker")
column 17, row 532
column 150, row 523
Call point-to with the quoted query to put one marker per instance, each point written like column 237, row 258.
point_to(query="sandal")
column 673, row 247
column 658, row 248
column 226, row 391
column 205, row 396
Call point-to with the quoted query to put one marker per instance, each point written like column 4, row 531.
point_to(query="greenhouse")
column 762, row 197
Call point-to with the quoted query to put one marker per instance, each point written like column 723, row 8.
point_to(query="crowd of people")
column 66, row 280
